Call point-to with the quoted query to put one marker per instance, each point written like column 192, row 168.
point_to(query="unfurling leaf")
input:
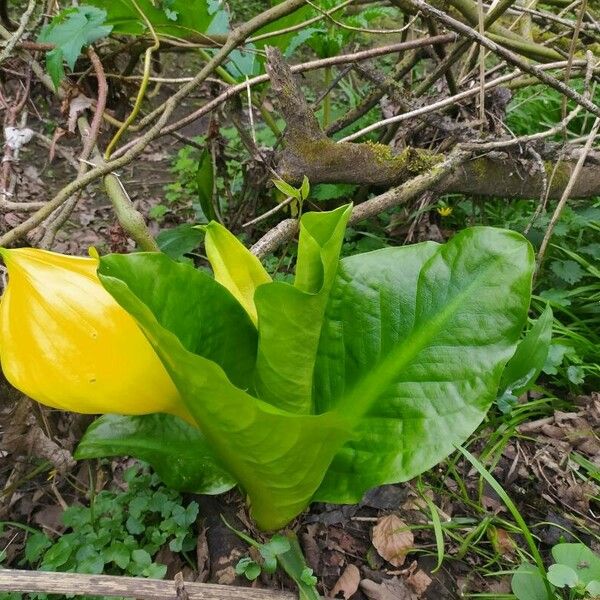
column 287, row 189
column 234, row 266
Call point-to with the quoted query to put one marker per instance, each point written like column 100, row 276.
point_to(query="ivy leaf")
column 70, row 31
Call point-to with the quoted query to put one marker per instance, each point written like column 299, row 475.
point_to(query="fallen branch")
column 234, row 90
column 130, row 587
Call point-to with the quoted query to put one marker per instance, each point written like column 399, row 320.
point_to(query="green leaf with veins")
column 214, row 324
column 70, row 31
column 412, row 349
column 178, row 452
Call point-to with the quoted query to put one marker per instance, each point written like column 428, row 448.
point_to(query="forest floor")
column 383, row 548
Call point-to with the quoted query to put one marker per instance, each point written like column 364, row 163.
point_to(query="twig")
column 451, row 100
column 281, row 233
column 90, row 136
column 16, row 36
column 572, row 47
column 362, row 29
column 143, row 85
column 567, row 192
column 481, row 29
column 302, row 25
column 270, row 212
column 543, row 192
column 508, row 55
column 524, row 139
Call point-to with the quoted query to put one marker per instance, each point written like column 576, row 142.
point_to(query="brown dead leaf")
column 419, row 581
column 347, row 584
column 389, row 589
column 416, row 578
column 503, row 542
column 393, row 539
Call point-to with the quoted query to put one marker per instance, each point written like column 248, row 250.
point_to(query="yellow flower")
column 65, row 342
column 444, row 210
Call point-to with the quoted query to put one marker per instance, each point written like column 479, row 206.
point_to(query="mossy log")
column 512, row 174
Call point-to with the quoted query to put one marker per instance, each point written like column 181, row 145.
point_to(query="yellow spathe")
column 65, row 342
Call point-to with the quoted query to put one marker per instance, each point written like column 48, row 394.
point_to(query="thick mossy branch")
column 503, row 175
column 308, row 151
column 512, row 174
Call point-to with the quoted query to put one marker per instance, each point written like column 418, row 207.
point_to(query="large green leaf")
column 414, row 343
column 277, row 457
column 204, row 316
column 291, row 316
column 186, row 19
column 177, row 451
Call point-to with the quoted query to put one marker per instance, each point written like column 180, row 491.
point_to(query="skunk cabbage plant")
column 365, row 371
